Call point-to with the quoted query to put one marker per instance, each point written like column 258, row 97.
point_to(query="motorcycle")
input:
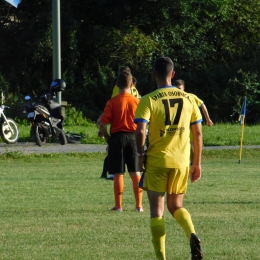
column 8, row 128
column 45, row 116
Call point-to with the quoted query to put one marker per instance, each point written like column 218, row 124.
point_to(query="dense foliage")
column 214, row 44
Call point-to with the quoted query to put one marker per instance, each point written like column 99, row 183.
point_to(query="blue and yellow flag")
column 242, row 122
column 243, row 112
column 14, row 3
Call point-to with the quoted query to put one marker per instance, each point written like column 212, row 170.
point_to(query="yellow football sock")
column 183, row 218
column 158, row 237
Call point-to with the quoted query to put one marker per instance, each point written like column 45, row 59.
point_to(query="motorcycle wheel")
column 38, row 136
column 62, row 138
column 9, row 136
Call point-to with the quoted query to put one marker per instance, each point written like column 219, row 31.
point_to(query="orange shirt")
column 120, row 113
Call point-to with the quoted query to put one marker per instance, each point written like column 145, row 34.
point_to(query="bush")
column 75, row 117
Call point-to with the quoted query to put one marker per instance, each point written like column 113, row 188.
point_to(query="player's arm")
column 100, row 134
column 103, row 128
column 105, row 120
column 206, row 114
column 140, row 136
column 195, row 171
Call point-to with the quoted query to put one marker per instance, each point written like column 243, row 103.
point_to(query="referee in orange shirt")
column 119, row 112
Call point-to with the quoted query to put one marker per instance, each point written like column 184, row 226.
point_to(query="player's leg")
column 118, row 191
column 105, row 168
column 157, row 226
column 138, row 192
column 155, row 180
column 177, row 186
column 131, row 160
column 117, row 167
column 182, row 216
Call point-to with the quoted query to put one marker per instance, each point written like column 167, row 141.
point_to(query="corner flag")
column 14, row 3
column 242, row 122
column 243, row 112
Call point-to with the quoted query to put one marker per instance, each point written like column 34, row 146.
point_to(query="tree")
column 208, row 40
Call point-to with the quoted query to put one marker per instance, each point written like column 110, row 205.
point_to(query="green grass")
column 217, row 135
column 55, row 206
column 89, row 132
column 229, row 134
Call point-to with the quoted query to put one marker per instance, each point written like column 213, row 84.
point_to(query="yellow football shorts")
column 165, row 179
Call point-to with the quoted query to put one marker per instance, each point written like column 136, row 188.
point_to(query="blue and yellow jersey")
column 134, row 92
column 169, row 112
column 198, row 101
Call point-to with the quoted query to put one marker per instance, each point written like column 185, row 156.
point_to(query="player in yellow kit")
column 171, row 113
column 134, row 91
column 180, row 84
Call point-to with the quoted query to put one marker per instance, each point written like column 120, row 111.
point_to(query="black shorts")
column 122, row 151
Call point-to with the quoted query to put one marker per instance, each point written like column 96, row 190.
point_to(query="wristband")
column 140, row 154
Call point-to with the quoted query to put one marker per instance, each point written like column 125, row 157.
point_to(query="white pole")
column 56, row 58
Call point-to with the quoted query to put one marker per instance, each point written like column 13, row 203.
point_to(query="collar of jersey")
column 167, row 87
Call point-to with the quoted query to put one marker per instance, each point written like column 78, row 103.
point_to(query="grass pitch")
column 57, row 207
column 217, row 135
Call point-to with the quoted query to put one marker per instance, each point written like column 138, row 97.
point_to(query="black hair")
column 162, row 67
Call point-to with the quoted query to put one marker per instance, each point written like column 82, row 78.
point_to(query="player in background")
column 171, row 113
column 105, row 169
column 135, row 93
column 180, row 84
column 119, row 113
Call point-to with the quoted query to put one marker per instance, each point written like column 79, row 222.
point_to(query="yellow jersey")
column 134, row 92
column 169, row 113
column 198, row 101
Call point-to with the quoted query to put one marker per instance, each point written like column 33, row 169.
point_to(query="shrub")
column 75, row 117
